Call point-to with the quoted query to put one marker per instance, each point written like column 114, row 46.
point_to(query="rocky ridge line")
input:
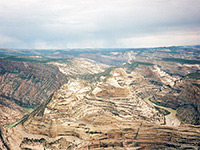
column 80, row 117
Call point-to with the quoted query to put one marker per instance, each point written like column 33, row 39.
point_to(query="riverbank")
column 170, row 119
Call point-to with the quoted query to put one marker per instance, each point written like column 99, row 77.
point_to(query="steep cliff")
column 10, row 112
column 182, row 93
column 80, row 66
column 25, row 84
column 75, row 118
column 120, row 109
column 28, row 84
column 185, row 96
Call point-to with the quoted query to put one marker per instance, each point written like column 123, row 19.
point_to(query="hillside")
column 100, row 99
column 26, row 84
column 104, row 115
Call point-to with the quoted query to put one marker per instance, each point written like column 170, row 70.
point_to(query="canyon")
column 142, row 102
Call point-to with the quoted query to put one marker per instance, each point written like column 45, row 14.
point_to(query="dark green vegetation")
column 64, row 53
column 195, row 75
column 106, row 73
column 95, row 77
column 198, row 85
column 182, row 61
column 163, row 111
column 32, row 59
column 134, row 64
column 27, row 80
column 38, row 111
column 153, row 100
column 103, row 55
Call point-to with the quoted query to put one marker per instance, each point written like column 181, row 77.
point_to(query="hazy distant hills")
column 106, row 55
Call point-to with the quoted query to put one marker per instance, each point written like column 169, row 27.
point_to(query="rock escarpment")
column 168, row 90
column 183, row 93
column 100, row 132
column 76, row 118
column 27, row 84
column 10, row 112
column 80, row 66
column 188, row 114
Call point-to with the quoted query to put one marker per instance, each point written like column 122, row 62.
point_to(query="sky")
column 62, row 24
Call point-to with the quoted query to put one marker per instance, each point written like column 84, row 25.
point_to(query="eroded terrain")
column 108, row 113
column 150, row 99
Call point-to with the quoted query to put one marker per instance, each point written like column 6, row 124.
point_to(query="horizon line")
column 99, row 48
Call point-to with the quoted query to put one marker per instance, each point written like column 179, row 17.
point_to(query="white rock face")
column 113, row 82
column 165, row 78
column 79, row 66
column 96, row 90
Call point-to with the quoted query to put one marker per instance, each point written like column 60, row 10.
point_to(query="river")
column 170, row 119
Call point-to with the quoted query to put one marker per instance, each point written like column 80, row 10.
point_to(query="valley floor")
column 170, row 119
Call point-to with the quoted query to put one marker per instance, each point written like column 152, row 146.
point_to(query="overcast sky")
column 60, row 24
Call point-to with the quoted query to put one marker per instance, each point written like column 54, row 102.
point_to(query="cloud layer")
column 98, row 23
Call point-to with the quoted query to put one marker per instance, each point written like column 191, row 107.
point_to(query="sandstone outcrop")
column 10, row 112
column 168, row 90
column 114, row 112
column 28, row 84
column 75, row 118
column 183, row 93
column 25, row 84
column 80, row 66
column 188, row 114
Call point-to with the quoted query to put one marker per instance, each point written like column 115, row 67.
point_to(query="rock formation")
column 10, row 112
column 25, row 84
column 75, row 118
column 136, row 106
column 183, row 93
column 188, row 114
column 80, row 66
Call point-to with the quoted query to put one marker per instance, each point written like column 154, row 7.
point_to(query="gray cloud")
column 98, row 23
